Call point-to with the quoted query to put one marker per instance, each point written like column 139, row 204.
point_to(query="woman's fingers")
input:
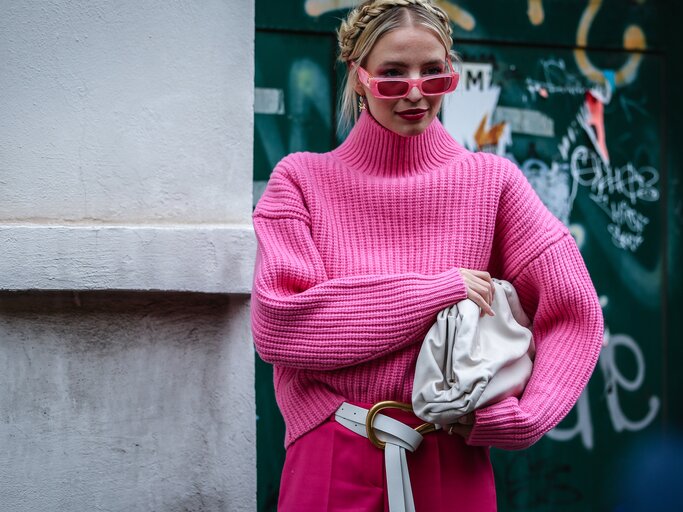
column 480, row 288
column 461, row 430
column 485, row 281
column 483, row 304
column 462, row 427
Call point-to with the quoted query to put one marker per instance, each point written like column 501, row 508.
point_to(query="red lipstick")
column 412, row 114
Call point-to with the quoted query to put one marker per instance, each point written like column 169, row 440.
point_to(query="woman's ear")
column 357, row 87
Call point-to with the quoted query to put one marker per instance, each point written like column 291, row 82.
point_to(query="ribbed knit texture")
column 359, row 248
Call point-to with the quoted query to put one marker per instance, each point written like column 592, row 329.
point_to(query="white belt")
column 395, row 437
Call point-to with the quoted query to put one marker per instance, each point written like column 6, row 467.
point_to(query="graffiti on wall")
column 582, row 159
column 633, row 36
column 622, row 190
column 458, row 15
column 615, row 381
column 467, row 113
column 633, row 40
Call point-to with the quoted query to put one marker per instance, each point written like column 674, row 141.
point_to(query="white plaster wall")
column 126, row 168
column 200, row 257
column 127, row 111
column 125, row 402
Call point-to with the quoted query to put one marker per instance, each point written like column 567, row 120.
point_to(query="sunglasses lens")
column 437, row 85
column 392, row 88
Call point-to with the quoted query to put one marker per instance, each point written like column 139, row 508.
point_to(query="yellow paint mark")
column 318, row 7
column 634, row 40
column 305, row 80
column 585, row 65
column 586, row 21
column 535, row 12
column 458, row 15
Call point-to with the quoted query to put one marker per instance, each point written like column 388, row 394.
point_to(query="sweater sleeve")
column 534, row 251
column 301, row 318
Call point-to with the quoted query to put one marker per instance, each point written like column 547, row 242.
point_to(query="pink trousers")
column 334, row 469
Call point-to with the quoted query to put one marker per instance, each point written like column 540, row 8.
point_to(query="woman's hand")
column 463, row 427
column 480, row 289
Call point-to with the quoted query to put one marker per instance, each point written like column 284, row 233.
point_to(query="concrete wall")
column 126, row 365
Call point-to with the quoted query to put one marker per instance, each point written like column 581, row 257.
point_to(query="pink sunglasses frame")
column 372, row 82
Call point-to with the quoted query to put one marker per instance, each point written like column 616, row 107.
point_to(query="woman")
column 359, row 248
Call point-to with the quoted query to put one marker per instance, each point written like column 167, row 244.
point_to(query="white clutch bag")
column 467, row 362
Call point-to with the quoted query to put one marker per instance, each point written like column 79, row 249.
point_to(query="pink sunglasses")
column 395, row 88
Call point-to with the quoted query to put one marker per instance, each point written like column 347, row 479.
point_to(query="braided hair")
column 370, row 20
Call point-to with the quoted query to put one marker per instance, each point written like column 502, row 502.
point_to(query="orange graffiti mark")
column 634, row 40
column 458, row 15
column 484, row 137
column 317, row 8
column 535, row 12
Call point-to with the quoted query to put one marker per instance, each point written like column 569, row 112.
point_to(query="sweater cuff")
column 460, row 289
column 503, row 425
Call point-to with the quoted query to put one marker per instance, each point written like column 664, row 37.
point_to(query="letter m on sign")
column 477, row 76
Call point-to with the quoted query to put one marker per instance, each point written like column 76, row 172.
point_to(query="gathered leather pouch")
column 467, row 361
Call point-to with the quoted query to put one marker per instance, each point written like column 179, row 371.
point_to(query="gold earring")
column 361, row 103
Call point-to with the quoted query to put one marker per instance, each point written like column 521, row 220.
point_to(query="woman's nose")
column 414, row 94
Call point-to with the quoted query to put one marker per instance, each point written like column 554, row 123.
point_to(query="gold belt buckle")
column 391, row 404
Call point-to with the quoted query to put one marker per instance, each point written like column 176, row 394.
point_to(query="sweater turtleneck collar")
column 375, row 150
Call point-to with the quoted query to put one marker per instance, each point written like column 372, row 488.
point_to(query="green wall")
column 610, row 170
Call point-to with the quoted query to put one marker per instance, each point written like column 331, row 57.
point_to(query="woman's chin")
column 404, row 126
column 411, row 128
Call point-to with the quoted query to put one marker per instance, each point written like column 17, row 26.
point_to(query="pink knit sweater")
column 359, row 248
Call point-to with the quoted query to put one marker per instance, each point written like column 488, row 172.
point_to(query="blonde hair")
column 366, row 24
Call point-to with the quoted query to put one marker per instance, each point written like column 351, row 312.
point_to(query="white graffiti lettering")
column 616, row 190
column 614, row 380
column 622, row 213
column 624, row 240
column 589, row 170
column 556, row 80
column 567, row 140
